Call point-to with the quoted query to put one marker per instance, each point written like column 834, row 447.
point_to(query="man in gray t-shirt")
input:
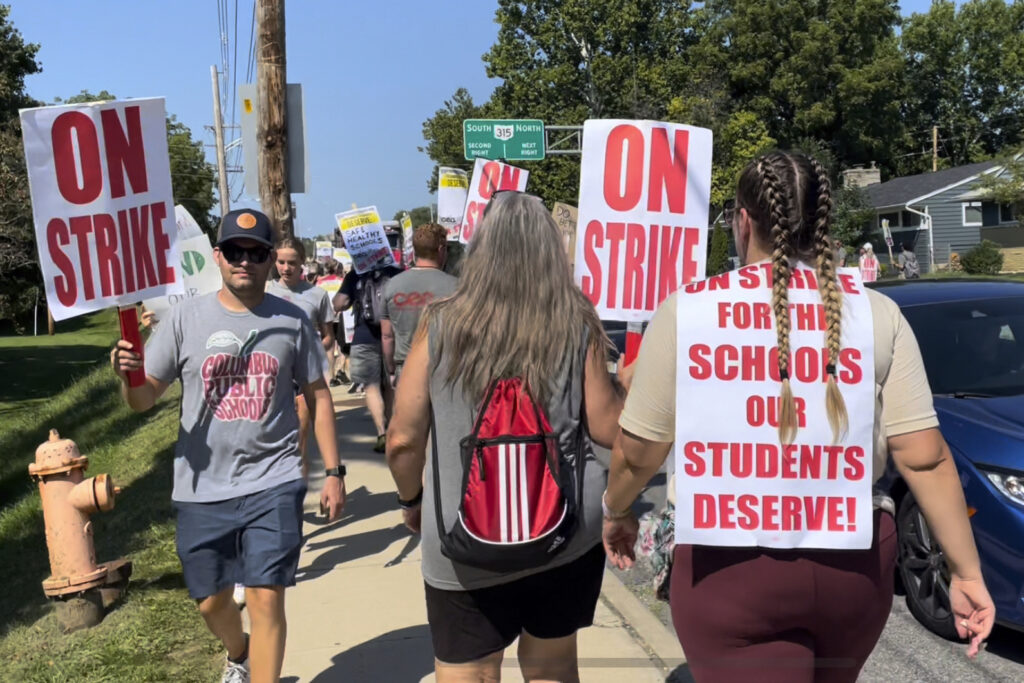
column 406, row 295
column 238, row 488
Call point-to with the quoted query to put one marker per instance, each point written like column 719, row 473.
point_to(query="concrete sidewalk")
column 358, row 614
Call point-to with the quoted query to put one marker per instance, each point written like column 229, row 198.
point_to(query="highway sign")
column 509, row 139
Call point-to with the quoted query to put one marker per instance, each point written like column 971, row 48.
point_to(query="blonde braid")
column 777, row 198
column 831, row 297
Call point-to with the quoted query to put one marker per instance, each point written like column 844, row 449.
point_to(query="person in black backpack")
column 365, row 293
column 508, row 377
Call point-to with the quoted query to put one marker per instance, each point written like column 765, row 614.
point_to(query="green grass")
column 154, row 633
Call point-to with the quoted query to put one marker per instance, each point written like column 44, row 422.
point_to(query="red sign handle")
column 129, row 318
column 634, row 334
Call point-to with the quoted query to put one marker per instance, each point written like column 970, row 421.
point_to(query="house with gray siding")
column 943, row 212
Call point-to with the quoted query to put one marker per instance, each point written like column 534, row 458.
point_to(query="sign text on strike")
column 650, row 254
column 125, row 260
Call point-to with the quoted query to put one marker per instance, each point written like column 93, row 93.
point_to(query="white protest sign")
column 102, row 203
column 343, row 257
column 407, row 250
column 199, row 273
column 365, row 238
column 348, row 320
column 452, row 190
column 488, row 177
column 324, row 249
column 735, row 484
column 187, row 226
column 643, row 217
column 566, row 217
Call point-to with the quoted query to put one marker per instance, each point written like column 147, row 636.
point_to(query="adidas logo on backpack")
column 520, row 495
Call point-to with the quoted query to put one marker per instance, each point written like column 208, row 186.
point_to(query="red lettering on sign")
column 616, row 231
column 652, row 272
column 125, row 153
column 81, row 226
column 107, row 259
column 700, row 366
column 162, row 242
column 124, row 230
column 668, row 170
column 625, row 145
column 692, row 451
column 854, row 457
column 144, row 271
column 703, row 511
column 509, row 178
column 66, row 164
column 790, row 513
column 490, row 177
column 747, row 506
column 670, row 243
column 848, row 284
column 66, row 285
column 632, row 296
column 726, row 511
column 593, row 238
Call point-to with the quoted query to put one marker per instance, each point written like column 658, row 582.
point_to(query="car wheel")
column 922, row 566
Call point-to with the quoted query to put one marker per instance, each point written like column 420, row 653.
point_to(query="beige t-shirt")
column 903, row 399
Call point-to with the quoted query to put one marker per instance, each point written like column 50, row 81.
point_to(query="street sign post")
column 508, row 139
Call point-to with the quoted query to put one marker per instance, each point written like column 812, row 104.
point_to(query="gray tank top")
column 453, row 417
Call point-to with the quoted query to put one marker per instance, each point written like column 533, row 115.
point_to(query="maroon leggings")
column 746, row 614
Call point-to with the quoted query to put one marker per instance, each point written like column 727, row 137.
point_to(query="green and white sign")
column 509, row 139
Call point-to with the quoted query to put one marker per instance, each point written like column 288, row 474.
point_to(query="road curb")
column 660, row 643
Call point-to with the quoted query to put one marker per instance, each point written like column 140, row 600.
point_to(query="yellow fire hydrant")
column 81, row 588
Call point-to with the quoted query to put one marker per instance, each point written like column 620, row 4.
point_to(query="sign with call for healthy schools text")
column 643, row 216
column 452, row 190
column 488, row 178
column 365, row 239
column 736, row 485
column 102, row 203
column 506, row 139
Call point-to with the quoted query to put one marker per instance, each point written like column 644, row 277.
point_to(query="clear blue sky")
column 372, row 72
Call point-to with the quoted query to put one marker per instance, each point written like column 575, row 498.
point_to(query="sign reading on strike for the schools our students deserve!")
column 365, row 239
column 102, row 203
column 452, row 188
column 643, row 216
column 736, row 485
column 488, row 178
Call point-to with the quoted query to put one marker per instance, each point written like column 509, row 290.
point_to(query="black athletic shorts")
column 469, row 625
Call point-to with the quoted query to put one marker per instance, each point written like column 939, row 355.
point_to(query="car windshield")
column 972, row 347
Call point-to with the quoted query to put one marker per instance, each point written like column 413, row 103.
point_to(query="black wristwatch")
column 338, row 471
column 407, row 504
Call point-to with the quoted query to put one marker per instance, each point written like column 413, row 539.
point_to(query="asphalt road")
column 906, row 651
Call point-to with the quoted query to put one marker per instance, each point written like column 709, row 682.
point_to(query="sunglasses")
column 236, row 254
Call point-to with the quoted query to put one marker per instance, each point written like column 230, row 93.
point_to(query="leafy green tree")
column 852, row 217
column 824, row 70
column 418, row 216
column 443, row 133
column 20, row 278
column 718, row 251
column 965, row 68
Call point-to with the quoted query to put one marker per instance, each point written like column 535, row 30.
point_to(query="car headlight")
column 1010, row 485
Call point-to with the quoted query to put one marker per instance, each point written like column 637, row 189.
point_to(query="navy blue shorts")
column 253, row 540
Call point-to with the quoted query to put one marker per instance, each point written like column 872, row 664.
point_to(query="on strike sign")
column 735, row 484
column 643, row 216
column 488, row 178
column 102, row 204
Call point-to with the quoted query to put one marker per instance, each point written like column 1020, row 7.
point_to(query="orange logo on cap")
column 246, row 221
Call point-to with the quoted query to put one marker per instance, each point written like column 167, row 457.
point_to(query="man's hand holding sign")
column 103, row 209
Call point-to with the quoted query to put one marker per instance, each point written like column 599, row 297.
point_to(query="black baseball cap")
column 246, row 223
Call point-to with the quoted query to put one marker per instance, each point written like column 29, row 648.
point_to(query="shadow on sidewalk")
column 359, row 504
column 357, row 546
column 401, row 655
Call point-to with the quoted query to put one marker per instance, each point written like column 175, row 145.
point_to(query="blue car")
column 971, row 334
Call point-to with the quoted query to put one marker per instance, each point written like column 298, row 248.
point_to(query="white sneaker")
column 239, row 596
column 235, row 672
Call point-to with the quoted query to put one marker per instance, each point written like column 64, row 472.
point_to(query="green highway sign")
column 509, row 139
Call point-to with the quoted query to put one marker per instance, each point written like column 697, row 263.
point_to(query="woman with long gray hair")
column 517, row 317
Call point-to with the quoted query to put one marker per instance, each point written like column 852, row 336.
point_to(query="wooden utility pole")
column 218, row 129
column 272, row 127
column 935, row 148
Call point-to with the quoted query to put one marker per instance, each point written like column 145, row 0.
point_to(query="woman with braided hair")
column 770, row 611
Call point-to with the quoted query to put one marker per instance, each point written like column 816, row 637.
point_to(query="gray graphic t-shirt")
column 239, row 430
column 314, row 301
column 406, row 295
